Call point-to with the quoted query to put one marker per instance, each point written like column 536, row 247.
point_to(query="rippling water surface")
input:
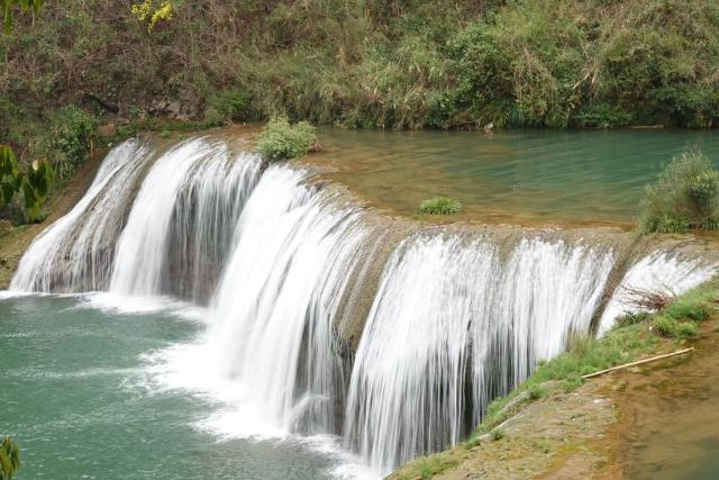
column 577, row 177
column 79, row 395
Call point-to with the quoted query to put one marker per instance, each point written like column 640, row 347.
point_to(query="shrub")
column 536, row 392
column 69, row 140
column 685, row 196
column 34, row 184
column 687, row 330
column 665, row 326
column 10, row 177
column 497, row 434
column 281, row 140
column 441, row 206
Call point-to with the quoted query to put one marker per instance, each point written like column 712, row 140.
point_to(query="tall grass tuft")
column 441, row 206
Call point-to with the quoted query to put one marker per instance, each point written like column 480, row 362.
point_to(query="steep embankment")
column 15, row 240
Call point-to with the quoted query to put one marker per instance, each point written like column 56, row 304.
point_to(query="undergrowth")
column 388, row 64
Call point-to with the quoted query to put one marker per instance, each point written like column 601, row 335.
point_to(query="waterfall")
column 331, row 318
column 444, row 300
column 275, row 306
column 658, row 272
column 194, row 190
column 75, row 254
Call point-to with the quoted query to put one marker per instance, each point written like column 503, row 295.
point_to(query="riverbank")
column 607, row 427
column 384, row 64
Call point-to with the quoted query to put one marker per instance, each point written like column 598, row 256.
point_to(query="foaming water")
column 75, row 253
column 444, row 301
column 658, row 272
column 197, row 192
column 276, row 304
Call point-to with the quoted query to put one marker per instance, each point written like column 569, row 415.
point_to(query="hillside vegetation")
column 374, row 63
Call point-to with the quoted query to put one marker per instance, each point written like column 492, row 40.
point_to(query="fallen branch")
column 639, row 362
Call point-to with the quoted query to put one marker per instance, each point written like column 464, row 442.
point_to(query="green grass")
column 687, row 330
column 665, row 326
column 427, row 467
column 441, row 206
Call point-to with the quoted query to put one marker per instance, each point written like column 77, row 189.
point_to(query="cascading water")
column 75, row 254
column 444, row 301
column 276, row 304
column 196, row 191
column 546, row 292
column 288, row 265
column 658, row 272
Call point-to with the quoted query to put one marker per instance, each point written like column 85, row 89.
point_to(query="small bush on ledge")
column 441, row 206
column 685, row 196
column 281, row 140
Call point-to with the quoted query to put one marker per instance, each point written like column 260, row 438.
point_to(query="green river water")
column 531, row 177
column 77, row 397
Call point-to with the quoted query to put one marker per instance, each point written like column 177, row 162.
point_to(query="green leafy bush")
column 497, row 434
column 281, row 140
column 685, row 196
column 69, row 140
column 536, row 392
column 10, row 176
column 441, row 206
column 34, row 184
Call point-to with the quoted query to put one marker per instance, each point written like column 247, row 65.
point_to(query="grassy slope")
column 374, row 63
column 549, row 426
